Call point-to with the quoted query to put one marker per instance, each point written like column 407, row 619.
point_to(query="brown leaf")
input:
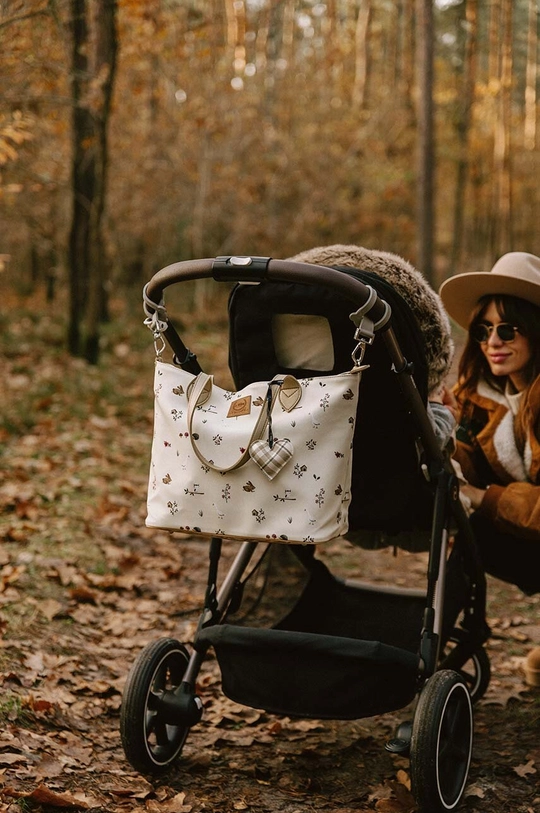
column 404, row 779
column 50, row 608
column 474, row 790
column 523, row 770
column 83, row 595
column 176, row 805
column 42, row 795
column 11, row 759
column 403, row 802
column 48, row 768
column 380, row 792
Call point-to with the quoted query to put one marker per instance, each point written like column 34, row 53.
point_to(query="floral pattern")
column 307, row 501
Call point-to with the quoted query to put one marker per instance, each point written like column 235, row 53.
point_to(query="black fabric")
column 309, row 675
column 331, row 607
column 389, row 492
column 508, row 557
column 342, row 652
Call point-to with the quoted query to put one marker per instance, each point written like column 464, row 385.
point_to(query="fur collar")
column 508, row 455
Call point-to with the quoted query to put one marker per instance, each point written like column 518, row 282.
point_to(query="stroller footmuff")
column 332, row 647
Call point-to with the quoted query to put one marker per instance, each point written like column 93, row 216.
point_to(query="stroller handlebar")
column 257, row 269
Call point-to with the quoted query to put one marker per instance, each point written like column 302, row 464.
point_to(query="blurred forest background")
column 135, row 133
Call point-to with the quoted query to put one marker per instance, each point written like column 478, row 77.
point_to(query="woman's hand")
column 475, row 495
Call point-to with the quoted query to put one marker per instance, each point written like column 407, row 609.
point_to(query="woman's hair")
column 473, row 364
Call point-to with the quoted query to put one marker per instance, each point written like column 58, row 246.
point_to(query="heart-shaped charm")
column 271, row 460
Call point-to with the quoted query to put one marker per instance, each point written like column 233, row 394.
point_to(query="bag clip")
column 366, row 327
column 156, row 320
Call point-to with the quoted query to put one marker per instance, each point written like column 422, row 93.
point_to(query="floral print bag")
column 271, row 462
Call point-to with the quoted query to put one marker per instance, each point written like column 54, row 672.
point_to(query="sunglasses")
column 504, row 330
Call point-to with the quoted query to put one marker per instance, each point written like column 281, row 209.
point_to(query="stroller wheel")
column 441, row 743
column 153, row 735
column 475, row 671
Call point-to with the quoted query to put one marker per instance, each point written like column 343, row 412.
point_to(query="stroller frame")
column 160, row 703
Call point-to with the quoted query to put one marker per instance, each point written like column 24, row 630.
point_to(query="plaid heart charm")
column 271, row 460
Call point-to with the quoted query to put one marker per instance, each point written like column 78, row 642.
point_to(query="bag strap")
column 198, row 394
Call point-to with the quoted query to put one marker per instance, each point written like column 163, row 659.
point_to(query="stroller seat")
column 389, row 491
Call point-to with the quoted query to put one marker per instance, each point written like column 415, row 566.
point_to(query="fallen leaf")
column 50, row 608
column 42, row 795
column 404, row 801
column 523, row 770
column 12, row 759
column 380, row 792
column 176, row 804
column 404, row 779
column 474, row 790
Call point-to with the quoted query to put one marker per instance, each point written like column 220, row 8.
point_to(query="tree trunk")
column 361, row 55
column 463, row 126
column 82, row 183
column 502, row 241
column 531, row 77
column 407, row 47
column 103, row 72
column 425, row 208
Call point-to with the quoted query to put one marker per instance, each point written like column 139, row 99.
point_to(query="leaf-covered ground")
column 84, row 586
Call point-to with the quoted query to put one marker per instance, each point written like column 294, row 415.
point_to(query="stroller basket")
column 339, row 653
column 311, row 675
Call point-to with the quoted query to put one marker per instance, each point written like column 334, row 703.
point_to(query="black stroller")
column 344, row 649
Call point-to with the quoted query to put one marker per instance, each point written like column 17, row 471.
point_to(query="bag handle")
column 199, row 393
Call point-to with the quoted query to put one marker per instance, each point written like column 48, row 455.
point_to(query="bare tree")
column 502, row 235
column 361, row 54
column 82, row 175
column 531, row 77
column 103, row 71
column 93, row 68
column 425, row 192
column 463, row 123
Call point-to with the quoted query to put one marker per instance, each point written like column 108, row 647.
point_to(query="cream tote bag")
column 271, row 462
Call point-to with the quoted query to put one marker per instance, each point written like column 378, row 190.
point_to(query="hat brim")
column 460, row 294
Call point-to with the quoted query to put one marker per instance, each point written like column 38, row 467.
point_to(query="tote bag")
column 271, row 462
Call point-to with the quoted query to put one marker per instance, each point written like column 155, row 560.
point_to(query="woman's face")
column 506, row 358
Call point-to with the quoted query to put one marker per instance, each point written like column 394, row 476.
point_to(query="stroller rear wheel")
column 152, row 728
column 441, row 742
column 475, row 671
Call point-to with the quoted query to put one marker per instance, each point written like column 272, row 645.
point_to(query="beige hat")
column 514, row 274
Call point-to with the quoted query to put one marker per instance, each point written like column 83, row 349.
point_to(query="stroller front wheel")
column 152, row 737
column 441, row 742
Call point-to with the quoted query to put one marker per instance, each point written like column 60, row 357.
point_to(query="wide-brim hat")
column 514, row 274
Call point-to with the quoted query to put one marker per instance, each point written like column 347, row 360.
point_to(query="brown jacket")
column 488, row 457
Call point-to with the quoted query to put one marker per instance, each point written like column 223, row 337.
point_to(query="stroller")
column 343, row 648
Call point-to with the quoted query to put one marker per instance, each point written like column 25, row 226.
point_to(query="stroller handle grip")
column 273, row 270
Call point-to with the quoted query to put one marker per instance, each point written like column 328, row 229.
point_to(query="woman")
column 498, row 435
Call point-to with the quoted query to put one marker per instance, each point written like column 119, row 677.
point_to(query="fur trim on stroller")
column 413, row 287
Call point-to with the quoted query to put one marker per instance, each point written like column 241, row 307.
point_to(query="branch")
column 20, row 17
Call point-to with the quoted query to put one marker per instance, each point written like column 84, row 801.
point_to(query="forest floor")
column 84, row 586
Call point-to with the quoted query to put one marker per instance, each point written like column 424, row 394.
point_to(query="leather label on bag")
column 241, row 406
